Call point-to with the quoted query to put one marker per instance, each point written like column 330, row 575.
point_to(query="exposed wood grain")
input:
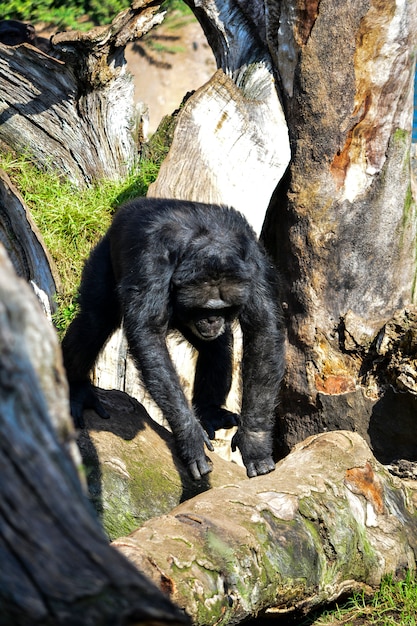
column 24, row 244
column 74, row 110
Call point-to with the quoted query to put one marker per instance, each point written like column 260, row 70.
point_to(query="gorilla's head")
column 209, row 294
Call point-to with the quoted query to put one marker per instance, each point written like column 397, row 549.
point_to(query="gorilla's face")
column 207, row 307
column 210, row 286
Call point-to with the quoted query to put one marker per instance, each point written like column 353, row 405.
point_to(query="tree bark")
column 72, row 109
column 330, row 519
column 56, row 564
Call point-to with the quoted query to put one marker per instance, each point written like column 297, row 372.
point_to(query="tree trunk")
column 329, row 520
column 56, row 564
column 75, row 112
column 341, row 224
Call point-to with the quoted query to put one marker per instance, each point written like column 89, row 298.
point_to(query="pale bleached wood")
column 230, row 145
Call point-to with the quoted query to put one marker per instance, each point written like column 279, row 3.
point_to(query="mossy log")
column 57, row 567
column 132, row 469
column 330, row 519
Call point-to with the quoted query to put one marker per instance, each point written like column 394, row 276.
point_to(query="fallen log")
column 132, row 469
column 329, row 520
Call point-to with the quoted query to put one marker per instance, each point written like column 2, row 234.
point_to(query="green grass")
column 76, row 14
column 393, row 604
column 70, row 219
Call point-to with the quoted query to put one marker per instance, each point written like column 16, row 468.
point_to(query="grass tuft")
column 393, row 604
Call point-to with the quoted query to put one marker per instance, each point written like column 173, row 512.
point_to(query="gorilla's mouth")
column 208, row 328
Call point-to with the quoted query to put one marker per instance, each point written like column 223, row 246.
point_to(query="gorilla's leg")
column 97, row 318
column 213, row 378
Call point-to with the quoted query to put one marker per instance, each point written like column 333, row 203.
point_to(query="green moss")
column 122, row 497
column 341, row 542
column 401, row 135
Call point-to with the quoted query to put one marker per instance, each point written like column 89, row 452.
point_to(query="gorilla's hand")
column 83, row 396
column 190, row 447
column 213, row 418
column 256, row 450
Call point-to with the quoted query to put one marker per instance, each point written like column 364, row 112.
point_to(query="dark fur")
column 168, row 264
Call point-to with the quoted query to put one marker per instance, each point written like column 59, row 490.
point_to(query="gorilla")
column 167, row 265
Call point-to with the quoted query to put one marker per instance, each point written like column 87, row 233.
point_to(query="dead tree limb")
column 24, row 244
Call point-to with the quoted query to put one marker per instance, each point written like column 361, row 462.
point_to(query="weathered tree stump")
column 342, row 222
column 72, row 109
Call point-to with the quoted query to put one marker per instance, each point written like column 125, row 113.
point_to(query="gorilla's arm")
column 212, row 381
column 262, row 371
column 145, row 324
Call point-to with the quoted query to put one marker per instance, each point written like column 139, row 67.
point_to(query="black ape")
column 171, row 264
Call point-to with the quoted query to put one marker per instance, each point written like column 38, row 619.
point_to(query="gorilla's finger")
column 259, row 468
column 99, row 409
column 251, row 470
column 194, row 471
column 77, row 415
column 210, row 431
column 265, row 466
column 200, row 468
column 205, row 466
